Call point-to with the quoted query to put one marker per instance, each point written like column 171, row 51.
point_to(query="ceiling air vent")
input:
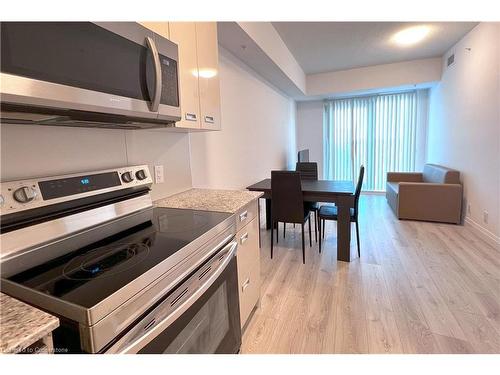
column 451, row 60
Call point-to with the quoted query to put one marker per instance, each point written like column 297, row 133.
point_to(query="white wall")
column 258, row 131
column 464, row 122
column 310, row 131
column 29, row 151
column 160, row 147
column 422, row 73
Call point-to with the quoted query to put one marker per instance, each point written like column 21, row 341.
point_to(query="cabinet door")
column 158, row 27
column 184, row 34
column 248, row 262
column 208, row 72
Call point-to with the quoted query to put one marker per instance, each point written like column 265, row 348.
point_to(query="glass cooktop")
column 90, row 274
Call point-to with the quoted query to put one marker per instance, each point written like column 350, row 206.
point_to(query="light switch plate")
column 159, row 178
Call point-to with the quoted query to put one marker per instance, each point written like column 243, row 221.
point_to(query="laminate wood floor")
column 417, row 288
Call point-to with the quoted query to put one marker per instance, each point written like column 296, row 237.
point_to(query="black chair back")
column 303, row 155
column 357, row 193
column 308, row 170
column 287, row 201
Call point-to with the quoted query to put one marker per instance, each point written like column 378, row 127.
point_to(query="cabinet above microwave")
column 109, row 74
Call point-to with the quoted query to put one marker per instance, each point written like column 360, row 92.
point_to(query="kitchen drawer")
column 246, row 214
column 248, row 260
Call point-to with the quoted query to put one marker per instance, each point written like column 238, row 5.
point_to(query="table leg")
column 268, row 214
column 258, row 221
column 343, row 232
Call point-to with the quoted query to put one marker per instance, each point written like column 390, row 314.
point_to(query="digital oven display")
column 75, row 185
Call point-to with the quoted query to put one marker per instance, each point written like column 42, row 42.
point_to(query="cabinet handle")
column 190, row 116
column 244, row 238
column 210, row 119
column 245, row 284
column 243, row 215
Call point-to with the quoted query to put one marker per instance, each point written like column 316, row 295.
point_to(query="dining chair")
column 331, row 213
column 287, row 205
column 309, row 171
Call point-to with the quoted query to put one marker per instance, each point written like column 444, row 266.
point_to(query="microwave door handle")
column 155, row 101
column 127, row 344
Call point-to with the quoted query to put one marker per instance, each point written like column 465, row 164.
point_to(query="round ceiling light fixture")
column 411, row 35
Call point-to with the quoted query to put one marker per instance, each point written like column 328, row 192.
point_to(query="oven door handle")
column 155, row 101
column 126, row 346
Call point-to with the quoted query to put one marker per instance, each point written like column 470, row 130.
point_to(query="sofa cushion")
column 394, row 186
column 440, row 175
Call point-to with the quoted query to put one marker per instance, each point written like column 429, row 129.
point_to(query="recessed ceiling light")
column 411, row 35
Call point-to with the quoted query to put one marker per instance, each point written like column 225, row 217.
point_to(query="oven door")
column 201, row 316
column 110, row 67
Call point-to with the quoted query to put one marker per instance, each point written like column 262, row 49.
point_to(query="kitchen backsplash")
column 29, row 151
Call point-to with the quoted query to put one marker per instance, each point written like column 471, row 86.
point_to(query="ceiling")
column 329, row 46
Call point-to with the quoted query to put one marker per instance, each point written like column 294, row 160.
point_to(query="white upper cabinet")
column 184, row 34
column 198, row 74
column 208, row 74
column 160, row 28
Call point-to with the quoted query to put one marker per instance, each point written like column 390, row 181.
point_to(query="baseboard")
column 484, row 233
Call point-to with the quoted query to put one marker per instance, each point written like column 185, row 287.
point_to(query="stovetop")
column 91, row 274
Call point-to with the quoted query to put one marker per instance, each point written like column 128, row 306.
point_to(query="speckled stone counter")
column 210, row 200
column 22, row 325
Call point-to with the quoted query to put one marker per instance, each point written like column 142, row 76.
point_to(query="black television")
column 303, row 156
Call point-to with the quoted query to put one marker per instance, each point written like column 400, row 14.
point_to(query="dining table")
column 339, row 192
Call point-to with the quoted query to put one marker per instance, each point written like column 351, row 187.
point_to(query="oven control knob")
column 127, row 177
column 24, row 194
column 141, row 174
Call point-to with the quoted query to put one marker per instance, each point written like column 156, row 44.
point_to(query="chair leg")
column 357, row 238
column 319, row 227
column 310, row 236
column 316, row 225
column 277, row 234
column 324, row 228
column 284, row 229
column 272, row 239
column 303, row 246
column 317, row 218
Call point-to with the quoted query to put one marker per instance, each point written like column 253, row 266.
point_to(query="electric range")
column 122, row 275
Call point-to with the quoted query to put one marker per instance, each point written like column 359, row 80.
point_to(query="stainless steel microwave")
column 97, row 74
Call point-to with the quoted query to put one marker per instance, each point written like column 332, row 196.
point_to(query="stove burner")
column 105, row 261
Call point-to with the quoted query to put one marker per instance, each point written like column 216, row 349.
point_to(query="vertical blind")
column 379, row 132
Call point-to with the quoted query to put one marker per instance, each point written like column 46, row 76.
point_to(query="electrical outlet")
column 485, row 216
column 159, row 178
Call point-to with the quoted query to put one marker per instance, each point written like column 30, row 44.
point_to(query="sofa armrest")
column 429, row 201
column 404, row 176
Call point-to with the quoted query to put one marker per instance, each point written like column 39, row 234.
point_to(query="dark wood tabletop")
column 335, row 191
column 337, row 187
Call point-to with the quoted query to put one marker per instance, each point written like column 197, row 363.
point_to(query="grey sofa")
column 433, row 195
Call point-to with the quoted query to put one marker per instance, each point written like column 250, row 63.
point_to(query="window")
column 382, row 132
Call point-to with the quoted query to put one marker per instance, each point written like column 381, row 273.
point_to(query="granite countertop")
column 210, row 200
column 21, row 325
